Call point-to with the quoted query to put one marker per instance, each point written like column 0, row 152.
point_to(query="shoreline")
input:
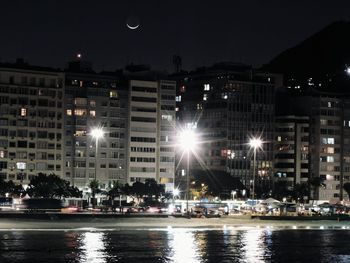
column 164, row 223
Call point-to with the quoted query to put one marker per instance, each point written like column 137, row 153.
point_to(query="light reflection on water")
column 254, row 246
column 93, row 247
column 183, row 246
column 176, row 245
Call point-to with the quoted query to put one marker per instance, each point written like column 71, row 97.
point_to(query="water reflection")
column 254, row 245
column 183, row 246
column 176, row 245
column 93, row 247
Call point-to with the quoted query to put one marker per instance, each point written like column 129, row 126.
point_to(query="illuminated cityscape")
column 152, row 131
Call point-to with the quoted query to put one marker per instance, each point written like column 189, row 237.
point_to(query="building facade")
column 291, row 150
column 151, row 130
column 31, row 122
column 330, row 153
column 229, row 104
column 95, row 101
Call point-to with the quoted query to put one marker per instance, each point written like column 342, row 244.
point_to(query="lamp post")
column 254, row 143
column 96, row 133
column 187, row 142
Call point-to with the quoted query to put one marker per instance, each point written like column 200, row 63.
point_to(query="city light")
column 96, row 133
column 176, row 192
column 347, row 70
column 188, row 141
column 254, row 143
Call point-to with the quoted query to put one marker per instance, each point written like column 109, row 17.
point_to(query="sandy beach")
column 164, row 223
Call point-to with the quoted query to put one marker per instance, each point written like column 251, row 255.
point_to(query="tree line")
column 52, row 186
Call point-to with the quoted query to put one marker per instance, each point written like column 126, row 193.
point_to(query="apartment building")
column 230, row 104
column 151, row 131
column 291, row 150
column 31, row 121
column 94, row 101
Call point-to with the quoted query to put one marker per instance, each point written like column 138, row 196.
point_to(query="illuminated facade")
column 31, row 122
column 330, row 140
column 291, row 150
column 229, row 104
column 95, row 100
column 151, row 151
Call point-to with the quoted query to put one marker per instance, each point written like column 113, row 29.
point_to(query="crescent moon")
column 132, row 27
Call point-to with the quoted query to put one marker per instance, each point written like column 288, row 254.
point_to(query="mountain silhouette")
column 323, row 57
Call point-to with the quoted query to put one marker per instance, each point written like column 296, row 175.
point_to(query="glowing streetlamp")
column 254, row 143
column 188, row 142
column 347, row 70
column 96, row 133
column 176, row 192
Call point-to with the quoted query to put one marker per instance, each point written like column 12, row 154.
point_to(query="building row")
column 305, row 136
column 47, row 117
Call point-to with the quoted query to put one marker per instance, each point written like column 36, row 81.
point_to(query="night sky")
column 50, row 33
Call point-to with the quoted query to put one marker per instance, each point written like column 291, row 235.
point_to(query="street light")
column 188, row 141
column 176, row 192
column 254, row 143
column 96, row 133
column 347, row 70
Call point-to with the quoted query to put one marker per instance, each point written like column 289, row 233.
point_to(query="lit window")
column 206, row 87
column 69, row 112
column 330, row 149
column 329, row 177
column 113, row 94
column 80, row 101
column 23, row 112
column 2, row 154
column 329, row 104
column 178, row 98
column 205, row 96
column 224, row 96
column 80, row 133
column 93, row 113
column 279, row 138
column 80, row 112
column 21, row 166
column 330, row 159
column 92, row 103
column 330, row 140
column 167, row 117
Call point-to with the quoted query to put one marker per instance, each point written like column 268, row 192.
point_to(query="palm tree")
column 115, row 190
column 94, row 186
column 315, row 183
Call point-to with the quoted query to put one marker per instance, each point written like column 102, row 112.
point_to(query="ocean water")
column 176, row 245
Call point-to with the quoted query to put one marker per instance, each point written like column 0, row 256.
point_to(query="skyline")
column 52, row 33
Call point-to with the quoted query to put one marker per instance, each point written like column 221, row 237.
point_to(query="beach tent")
column 270, row 201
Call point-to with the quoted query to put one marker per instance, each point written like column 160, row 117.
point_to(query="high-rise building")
column 329, row 131
column 94, row 101
column 291, row 157
column 151, row 132
column 330, row 152
column 31, row 121
column 230, row 104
